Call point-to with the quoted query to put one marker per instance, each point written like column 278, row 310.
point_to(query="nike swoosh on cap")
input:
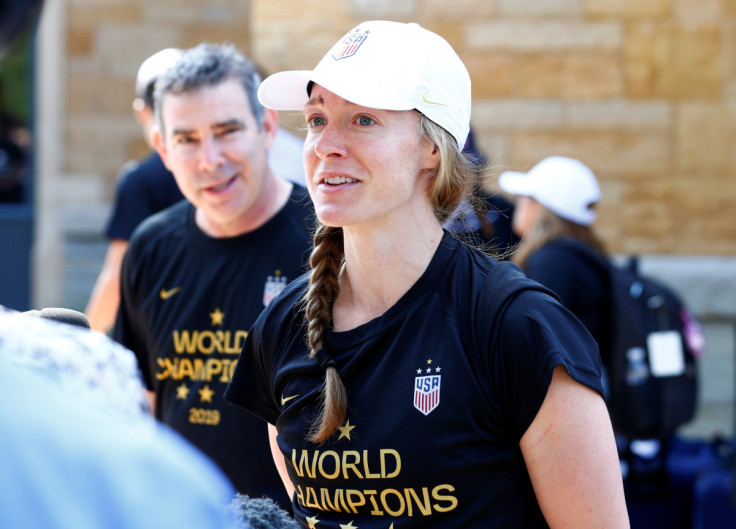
column 426, row 99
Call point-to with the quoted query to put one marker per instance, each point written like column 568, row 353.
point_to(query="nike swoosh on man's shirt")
column 284, row 400
column 166, row 294
column 427, row 100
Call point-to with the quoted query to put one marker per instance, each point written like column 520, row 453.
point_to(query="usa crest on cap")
column 350, row 44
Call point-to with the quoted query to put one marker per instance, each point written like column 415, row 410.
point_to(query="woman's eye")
column 365, row 121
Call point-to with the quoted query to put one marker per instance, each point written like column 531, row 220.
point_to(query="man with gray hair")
column 197, row 275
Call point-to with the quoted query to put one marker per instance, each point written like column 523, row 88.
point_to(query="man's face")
column 213, row 145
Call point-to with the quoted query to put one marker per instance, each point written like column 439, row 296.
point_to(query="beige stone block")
column 729, row 59
column 429, row 9
column 628, row 8
column 700, row 11
column 647, row 52
column 452, row 31
column 544, row 36
column 122, row 48
column 616, row 153
column 540, row 8
column 381, row 9
column 490, row 74
column 79, row 41
column 300, row 48
column 568, row 76
column 95, row 94
column 621, row 115
column 289, row 12
column 84, row 15
column 697, row 63
column 517, row 114
column 705, row 137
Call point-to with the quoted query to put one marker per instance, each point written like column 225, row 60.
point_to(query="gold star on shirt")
column 429, row 362
column 205, row 394
column 312, row 522
column 345, row 430
column 217, row 316
column 348, row 526
column 182, row 392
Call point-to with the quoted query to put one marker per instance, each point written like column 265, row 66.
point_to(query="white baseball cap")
column 153, row 67
column 389, row 66
column 565, row 186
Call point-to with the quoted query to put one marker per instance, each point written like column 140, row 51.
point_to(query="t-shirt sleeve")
column 132, row 204
column 536, row 335
column 127, row 329
column 251, row 384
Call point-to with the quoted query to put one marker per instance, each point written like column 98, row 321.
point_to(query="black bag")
column 651, row 370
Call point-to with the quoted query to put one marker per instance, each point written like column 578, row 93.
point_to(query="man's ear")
column 270, row 126
column 157, row 140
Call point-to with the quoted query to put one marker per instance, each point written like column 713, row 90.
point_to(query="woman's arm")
column 571, row 456
column 278, row 459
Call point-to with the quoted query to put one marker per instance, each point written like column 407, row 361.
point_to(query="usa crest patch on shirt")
column 273, row 287
column 427, row 389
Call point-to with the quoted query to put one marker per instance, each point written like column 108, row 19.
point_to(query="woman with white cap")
column 555, row 210
column 412, row 381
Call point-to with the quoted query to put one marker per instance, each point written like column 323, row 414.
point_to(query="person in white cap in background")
column 411, row 380
column 555, row 210
column 144, row 187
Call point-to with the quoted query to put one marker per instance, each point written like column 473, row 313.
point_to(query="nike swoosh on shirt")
column 284, row 400
column 166, row 294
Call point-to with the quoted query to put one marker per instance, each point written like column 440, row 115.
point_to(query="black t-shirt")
column 187, row 302
column 581, row 285
column 143, row 188
column 441, row 389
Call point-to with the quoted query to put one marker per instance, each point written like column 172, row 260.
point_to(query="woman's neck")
column 380, row 269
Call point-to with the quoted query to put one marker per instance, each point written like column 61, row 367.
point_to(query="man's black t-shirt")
column 187, row 302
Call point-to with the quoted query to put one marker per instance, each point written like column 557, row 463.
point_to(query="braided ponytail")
column 326, row 260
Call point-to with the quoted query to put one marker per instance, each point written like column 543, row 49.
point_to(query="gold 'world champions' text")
column 204, row 343
column 352, row 464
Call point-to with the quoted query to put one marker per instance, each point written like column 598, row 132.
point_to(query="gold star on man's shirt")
column 217, row 316
column 182, row 392
column 348, row 526
column 345, row 430
column 312, row 522
column 205, row 394
column 429, row 362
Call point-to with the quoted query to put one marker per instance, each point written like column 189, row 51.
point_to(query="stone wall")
column 643, row 92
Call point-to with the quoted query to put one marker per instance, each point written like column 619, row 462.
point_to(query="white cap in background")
column 565, row 186
column 152, row 68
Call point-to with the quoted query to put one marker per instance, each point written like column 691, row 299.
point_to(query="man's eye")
column 229, row 130
column 316, row 121
column 365, row 121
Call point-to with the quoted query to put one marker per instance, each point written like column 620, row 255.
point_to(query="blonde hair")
column 548, row 227
column 449, row 183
